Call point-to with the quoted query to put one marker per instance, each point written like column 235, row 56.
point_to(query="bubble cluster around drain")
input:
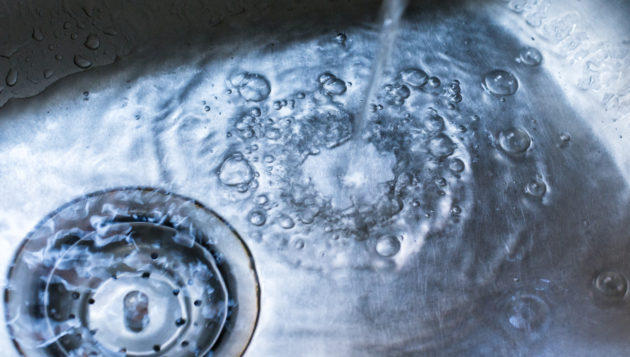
column 132, row 271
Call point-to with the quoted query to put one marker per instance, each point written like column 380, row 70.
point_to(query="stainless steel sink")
column 354, row 178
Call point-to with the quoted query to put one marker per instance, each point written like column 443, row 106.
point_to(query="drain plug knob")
column 136, row 310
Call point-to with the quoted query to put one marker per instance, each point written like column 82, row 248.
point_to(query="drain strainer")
column 132, row 272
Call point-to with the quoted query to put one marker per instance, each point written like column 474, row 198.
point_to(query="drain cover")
column 132, row 272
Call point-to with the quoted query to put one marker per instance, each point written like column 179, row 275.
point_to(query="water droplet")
column 500, row 83
column 441, row 146
column 286, row 222
column 530, row 56
column 206, row 108
column 611, row 284
column 67, row 25
column 387, row 245
column 74, row 36
column 456, row 165
column 82, row 62
column 536, row 188
column 37, row 34
column 235, row 170
column 251, row 86
column 48, row 73
column 299, row 244
column 58, row 57
column 257, row 217
column 514, row 141
column 527, row 313
column 414, row 77
column 12, row 77
column 92, row 42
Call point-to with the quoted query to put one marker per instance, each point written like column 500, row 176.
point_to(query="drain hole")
column 99, row 280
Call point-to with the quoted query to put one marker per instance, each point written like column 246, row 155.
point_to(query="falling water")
column 390, row 14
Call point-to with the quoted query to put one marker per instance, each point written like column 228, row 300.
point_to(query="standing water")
column 304, row 180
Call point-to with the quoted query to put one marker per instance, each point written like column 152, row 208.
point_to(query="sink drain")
column 132, row 272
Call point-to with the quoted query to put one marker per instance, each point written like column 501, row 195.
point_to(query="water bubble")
column 257, row 217
column 331, row 85
column 453, row 92
column 396, row 93
column 235, row 170
column 536, row 188
column 286, row 222
column 92, row 42
column 341, row 38
column 268, row 159
column 564, row 139
column 334, row 87
column 527, row 313
column 433, row 122
column 387, row 245
column 12, row 77
column 456, row 165
column 500, row 83
column 251, row 86
column 441, row 146
column 262, row 200
column 37, row 34
column 514, row 141
column 82, row 62
column 456, row 210
column 530, row 56
column 414, row 77
column 433, row 85
column 611, row 284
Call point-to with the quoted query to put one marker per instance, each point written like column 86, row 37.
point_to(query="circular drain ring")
column 128, row 205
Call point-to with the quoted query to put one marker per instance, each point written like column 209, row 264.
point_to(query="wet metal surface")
column 454, row 183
